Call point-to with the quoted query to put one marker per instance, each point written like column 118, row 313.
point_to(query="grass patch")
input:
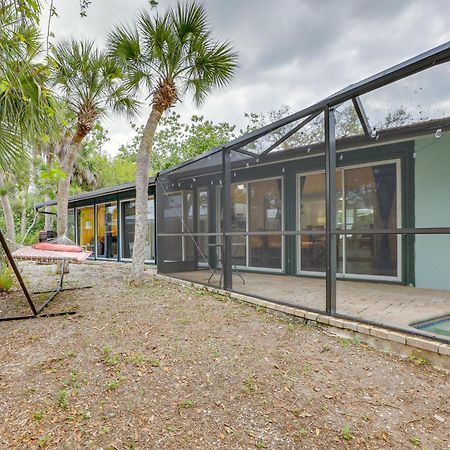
column 417, row 359
column 415, row 441
column 109, row 357
column 38, row 415
column 262, row 310
column 113, row 384
column 72, row 381
column 139, row 359
column 186, row 404
column 348, row 342
column 249, row 385
column 346, row 433
column 44, row 440
column 62, row 400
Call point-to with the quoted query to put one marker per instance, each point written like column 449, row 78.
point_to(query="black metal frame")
column 36, row 312
column 327, row 106
column 418, row 63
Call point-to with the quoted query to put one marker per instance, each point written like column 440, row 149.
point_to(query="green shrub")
column 6, row 277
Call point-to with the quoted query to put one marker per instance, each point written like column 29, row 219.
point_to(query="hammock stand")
column 31, row 254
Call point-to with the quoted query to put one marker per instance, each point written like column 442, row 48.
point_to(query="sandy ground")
column 169, row 367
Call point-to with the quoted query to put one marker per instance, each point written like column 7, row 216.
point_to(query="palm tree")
column 90, row 82
column 25, row 100
column 167, row 56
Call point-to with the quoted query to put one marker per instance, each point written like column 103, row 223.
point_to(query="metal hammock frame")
column 37, row 311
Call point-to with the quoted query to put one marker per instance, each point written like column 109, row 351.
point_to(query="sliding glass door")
column 107, row 231
column 265, row 214
column 313, row 218
column 86, row 230
column 128, row 223
column 203, row 224
column 257, row 206
column 367, row 198
column 371, row 203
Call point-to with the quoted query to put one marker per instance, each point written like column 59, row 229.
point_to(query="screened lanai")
column 341, row 208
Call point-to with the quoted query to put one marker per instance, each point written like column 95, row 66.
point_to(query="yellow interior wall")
column 101, row 222
column 86, row 235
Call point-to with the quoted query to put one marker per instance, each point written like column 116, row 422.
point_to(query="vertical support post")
column 226, row 214
column 212, row 225
column 330, row 176
column 159, row 227
column 119, row 228
column 94, row 250
column 195, row 215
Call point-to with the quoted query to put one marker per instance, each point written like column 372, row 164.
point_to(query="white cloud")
column 291, row 52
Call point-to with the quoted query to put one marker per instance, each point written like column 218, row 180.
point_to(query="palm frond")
column 91, row 81
column 12, row 150
column 175, row 48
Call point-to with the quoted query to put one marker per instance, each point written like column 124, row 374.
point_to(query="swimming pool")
column 439, row 325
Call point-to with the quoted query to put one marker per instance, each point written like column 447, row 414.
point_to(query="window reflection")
column 128, row 224
column 86, row 231
column 366, row 198
column 107, row 230
column 265, row 213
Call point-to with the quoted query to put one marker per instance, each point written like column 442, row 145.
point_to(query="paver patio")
column 389, row 304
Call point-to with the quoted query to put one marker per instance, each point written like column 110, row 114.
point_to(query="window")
column 239, row 223
column 265, row 214
column 371, row 203
column 173, row 223
column 107, row 230
column 71, row 225
column 86, row 227
column 366, row 198
column 313, row 218
column 257, row 206
column 203, row 225
column 128, row 224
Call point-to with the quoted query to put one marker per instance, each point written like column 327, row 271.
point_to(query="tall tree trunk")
column 141, row 211
column 62, row 196
column 48, row 217
column 7, row 211
column 23, row 218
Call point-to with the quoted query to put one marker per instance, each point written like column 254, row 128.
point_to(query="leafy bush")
column 6, row 277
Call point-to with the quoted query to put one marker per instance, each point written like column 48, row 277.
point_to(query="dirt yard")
column 169, row 367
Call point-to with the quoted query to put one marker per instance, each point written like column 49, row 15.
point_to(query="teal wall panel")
column 432, row 193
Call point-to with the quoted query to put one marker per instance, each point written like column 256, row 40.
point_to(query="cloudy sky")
column 291, row 52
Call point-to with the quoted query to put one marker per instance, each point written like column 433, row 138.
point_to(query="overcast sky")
column 291, row 52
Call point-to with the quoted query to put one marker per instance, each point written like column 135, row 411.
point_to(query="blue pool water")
column 440, row 325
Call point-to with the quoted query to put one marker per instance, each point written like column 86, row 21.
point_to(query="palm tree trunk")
column 141, row 211
column 7, row 211
column 23, row 217
column 62, row 196
column 48, row 217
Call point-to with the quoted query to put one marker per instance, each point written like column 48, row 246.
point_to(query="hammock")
column 52, row 255
column 57, row 251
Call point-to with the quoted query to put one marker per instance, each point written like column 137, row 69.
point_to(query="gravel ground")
column 164, row 366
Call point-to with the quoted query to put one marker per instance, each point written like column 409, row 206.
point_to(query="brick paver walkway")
column 384, row 303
